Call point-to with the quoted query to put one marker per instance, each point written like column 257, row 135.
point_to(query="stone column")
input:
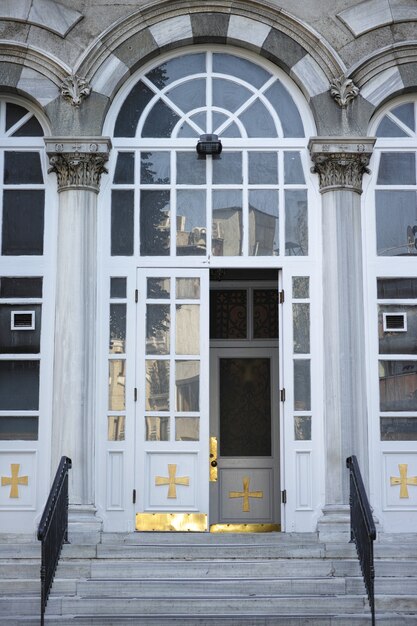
column 340, row 164
column 78, row 164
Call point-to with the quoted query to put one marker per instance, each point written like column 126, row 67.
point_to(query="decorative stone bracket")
column 341, row 162
column 343, row 90
column 78, row 162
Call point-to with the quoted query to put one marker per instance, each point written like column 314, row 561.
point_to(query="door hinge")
column 284, row 496
column 134, row 496
column 282, row 394
column 135, row 394
column 136, row 296
column 281, row 296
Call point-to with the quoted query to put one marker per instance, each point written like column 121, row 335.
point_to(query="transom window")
column 251, row 200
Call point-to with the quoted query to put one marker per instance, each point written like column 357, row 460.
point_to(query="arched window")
column 250, row 200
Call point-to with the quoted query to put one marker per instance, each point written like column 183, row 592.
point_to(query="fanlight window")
column 249, row 201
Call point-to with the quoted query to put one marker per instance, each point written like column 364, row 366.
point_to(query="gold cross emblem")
column 246, row 494
column 14, row 480
column 172, row 480
column 403, row 480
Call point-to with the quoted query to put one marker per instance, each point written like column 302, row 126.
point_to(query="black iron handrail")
column 53, row 529
column 362, row 529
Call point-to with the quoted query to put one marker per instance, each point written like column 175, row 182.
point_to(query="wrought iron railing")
column 53, row 529
column 362, row 529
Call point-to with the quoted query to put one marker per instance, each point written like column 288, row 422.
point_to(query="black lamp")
column 209, row 144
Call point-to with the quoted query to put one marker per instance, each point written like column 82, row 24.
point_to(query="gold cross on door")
column 14, row 480
column 246, row 494
column 172, row 480
column 403, row 480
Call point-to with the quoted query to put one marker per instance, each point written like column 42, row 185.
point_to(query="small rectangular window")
column 22, row 320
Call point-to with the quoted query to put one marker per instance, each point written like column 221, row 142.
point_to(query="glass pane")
column 245, row 407
column 188, row 288
column 124, row 173
column 23, row 222
column 228, row 314
column 160, row 121
column 18, row 287
column 405, row 113
column 393, row 288
column 257, row 121
column 190, row 169
column 263, row 223
column 241, row 68
column 187, row 332
column 302, row 428
column 288, row 114
column 155, row 168
column 22, row 168
column 296, row 223
column 187, row 429
column 117, row 385
column 157, row 328
column 293, row 169
column 157, row 428
column 227, row 223
column 18, row 428
column 189, row 95
column 388, row 128
column 116, row 428
column 14, row 113
column 117, row 287
column 398, row 429
column 122, row 220
column 300, row 287
column 229, row 95
column 132, row 109
column 265, row 314
column 397, row 168
column 302, row 386
column 19, row 385
column 31, row 128
column 187, row 383
column 174, row 69
column 157, row 385
column 228, row 169
column 154, row 223
column 117, row 328
column 301, row 328
column 398, row 342
column 158, row 288
column 191, row 222
column 396, row 214
column 263, row 168
column 22, row 340
column 398, row 385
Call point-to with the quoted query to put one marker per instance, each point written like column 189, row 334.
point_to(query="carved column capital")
column 341, row 162
column 78, row 162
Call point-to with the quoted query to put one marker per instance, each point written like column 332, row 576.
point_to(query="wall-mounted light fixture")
column 209, row 144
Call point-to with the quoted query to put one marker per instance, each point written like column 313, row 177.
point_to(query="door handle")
column 213, row 459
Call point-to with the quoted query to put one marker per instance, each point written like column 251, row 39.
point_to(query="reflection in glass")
column 229, row 95
column 19, row 385
column 263, row 223
column 117, row 328
column 158, row 288
column 396, row 215
column 263, row 168
column 117, row 385
column 116, row 428
column 227, row 223
column 301, row 328
column 187, row 383
column 300, row 287
column 131, row 110
column 398, row 429
column 23, row 222
column 228, row 169
column 398, row 342
column 22, row 168
column 188, row 288
column 176, row 68
column 187, row 429
column 403, row 113
column 191, row 222
column 154, row 222
column 157, row 328
column 228, row 314
column 398, row 385
column 187, row 332
column 157, row 385
column 302, row 428
column 189, row 95
column 122, row 219
column 190, row 170
column 396, row 288
column 296, row 223
column 293, row 169
column 397, row 168
column 160, row 121
column 154, row 168
column 288, row 113
column 258, row 121
column 157, row 428
column 124, row 173
column 302, row 385
column 241, row 68
column 21, row 428
column 265, row 313
column 117, row 287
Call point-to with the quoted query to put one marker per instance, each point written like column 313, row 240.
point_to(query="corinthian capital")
column 78, row 162
column 341, row 162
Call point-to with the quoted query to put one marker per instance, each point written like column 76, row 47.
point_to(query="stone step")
column 28, row 587
column 213, row 539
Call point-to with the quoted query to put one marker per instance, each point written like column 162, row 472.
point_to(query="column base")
column 84, row 527
column 334, row 525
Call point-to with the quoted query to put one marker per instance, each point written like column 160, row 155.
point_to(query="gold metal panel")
column 246, row 494
column 172, row 480
column 403, row 480
column 14, row 480
column 245, row 528
column 171, row 522
column 213, row 459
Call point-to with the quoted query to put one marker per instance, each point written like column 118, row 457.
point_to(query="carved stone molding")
column 75, row 89
column 78, row 162
column 343, row 90
column 341, row 162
